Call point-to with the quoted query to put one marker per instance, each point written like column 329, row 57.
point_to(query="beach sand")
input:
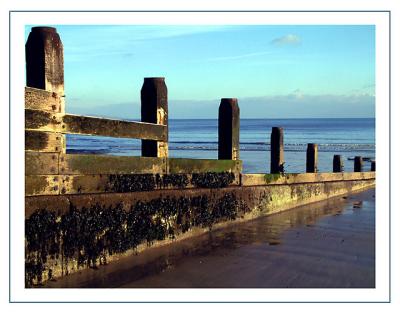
column 326, row 244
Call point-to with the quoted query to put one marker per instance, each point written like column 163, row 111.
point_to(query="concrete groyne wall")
column 86, row 210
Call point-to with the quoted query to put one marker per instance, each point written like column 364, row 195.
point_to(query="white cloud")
column 289, row 39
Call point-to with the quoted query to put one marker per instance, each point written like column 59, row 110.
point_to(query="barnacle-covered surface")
column 87, row 236
column 65, row 233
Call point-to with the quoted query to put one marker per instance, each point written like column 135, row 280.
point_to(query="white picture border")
column 18, row 20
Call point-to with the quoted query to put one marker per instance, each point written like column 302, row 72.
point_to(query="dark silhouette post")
column 277, row 160
column 45, row 60
column 228, row 129
column 358, row 164
column 337, row 163
column 312, row 158
column 373, row 166
column 154, row 109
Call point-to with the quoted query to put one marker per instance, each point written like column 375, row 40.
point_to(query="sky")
column 275, row 71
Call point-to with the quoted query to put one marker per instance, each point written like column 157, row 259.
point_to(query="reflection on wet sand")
column 327, row 244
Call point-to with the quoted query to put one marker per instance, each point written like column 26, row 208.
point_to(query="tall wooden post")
column 337, row 163
column 277, row 159
column 228, row 129
column 45, row 70
column 312, row 158
column 358, row 164
column 154, row 108
column 45, row 60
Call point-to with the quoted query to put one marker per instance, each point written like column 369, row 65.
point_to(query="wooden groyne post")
column 228, row 129
column 373, row 166
column 337, row 163
column 154, row 109
column 44, row 55
column 358, row 164
column 277, row 158
column 312, row 158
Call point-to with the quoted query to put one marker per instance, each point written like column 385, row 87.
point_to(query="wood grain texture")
column 41, row 163
column 41, row 185
column 43, row 141
column 39, row 99
column 109, row 164
column 86, row 125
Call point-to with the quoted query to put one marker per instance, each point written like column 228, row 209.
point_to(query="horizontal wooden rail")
column 110, row 164
column 88, row 125
column 121, row 183
column 39, row 163
column 43, row 141
column 113, row 183
column 57, row 173
column 178, row 165
column 300, row 178
column 39, row 99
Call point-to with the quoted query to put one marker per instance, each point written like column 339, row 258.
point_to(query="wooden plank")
column 42, row 120
column 177, row 165
column 41, row 185
column 301, row 178
column 107, row 164
column 87, row 125
column 117, row 183
column 43, row 141
column 101, row 183
column 39, row 99
column 41, row 163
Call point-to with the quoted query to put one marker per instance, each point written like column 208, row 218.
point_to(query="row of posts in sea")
column 277, row 156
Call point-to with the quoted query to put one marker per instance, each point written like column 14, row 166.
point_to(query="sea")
column 198, row 139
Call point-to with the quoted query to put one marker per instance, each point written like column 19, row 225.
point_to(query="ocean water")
column 198, row 138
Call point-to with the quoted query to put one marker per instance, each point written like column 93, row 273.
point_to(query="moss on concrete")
column 269, row 178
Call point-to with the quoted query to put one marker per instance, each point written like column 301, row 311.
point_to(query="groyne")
column 87, row 210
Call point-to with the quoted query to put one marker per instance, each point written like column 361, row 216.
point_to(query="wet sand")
column 330, row 244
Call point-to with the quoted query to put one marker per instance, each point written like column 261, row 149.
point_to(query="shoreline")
column 272, row 251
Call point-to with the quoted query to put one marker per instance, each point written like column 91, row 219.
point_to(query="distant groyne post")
column 373, row 166
column 312, row 158
column 44, row 54
column 228, row 129
column 337, row 163
column 277, row 158
column 154, row 109
column 358, row 164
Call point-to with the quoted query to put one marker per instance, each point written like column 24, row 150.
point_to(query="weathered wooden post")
column 277, row 159
column 373, row 166
column 228, row 129
column 312, row 158
column 337, row 163
column 154, row 108
column 44, row 70
column 358, row 164
column 45, row 60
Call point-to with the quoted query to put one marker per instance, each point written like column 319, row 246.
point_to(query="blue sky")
column 274, row 71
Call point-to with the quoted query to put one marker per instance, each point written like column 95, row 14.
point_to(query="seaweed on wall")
column 89, row 235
